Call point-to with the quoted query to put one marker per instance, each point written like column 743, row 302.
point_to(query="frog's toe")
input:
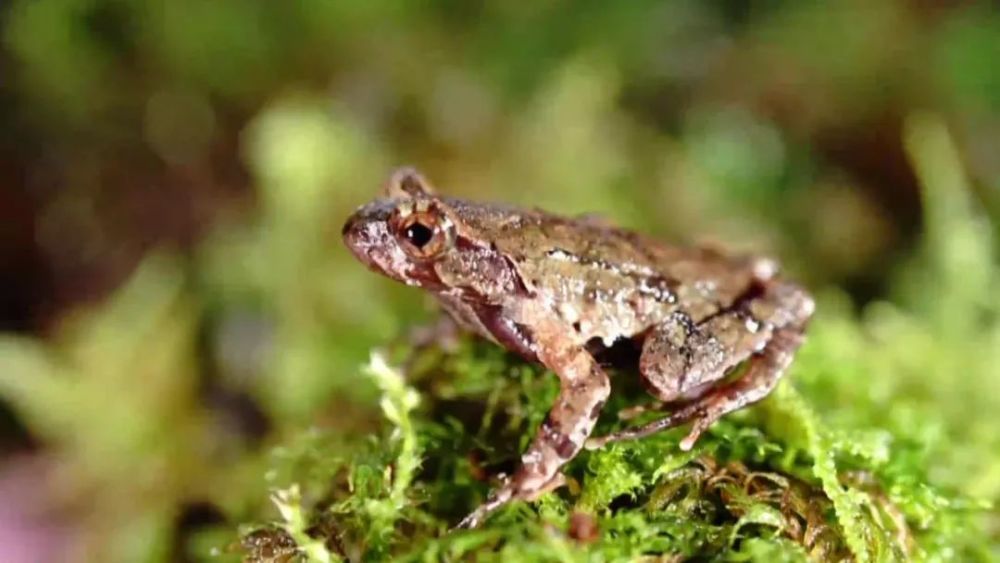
column 630, row 413
column 502, row 496
column 700, row 426
column 558, row 480
column 596, row 442
column 472, row 520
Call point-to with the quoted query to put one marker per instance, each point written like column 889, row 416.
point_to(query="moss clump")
column 772, row 483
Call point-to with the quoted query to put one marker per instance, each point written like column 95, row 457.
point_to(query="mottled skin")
column 560, row 290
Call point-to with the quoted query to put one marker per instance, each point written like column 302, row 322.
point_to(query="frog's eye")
column 423, row 234
column 419, row 235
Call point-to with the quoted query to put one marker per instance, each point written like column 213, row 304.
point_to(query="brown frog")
column 561, row 291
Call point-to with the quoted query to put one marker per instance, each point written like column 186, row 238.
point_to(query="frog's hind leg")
column 682, row 361
column 680, row 358
column 763, row 373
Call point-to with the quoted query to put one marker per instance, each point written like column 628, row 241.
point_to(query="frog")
column 712, row 331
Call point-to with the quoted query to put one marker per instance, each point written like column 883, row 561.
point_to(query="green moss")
column 775, row 483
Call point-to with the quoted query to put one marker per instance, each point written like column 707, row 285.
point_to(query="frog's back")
column 595, row 274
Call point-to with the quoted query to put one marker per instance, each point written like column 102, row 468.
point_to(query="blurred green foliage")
column 192, row 346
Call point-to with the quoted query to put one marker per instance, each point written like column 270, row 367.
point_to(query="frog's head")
column 401, row 234
column 415, row 237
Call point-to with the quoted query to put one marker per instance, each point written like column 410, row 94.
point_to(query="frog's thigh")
column 780, row 314
column 680, row 359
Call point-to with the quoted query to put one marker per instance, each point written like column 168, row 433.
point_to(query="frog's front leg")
column 584, row 390
column 684, row 361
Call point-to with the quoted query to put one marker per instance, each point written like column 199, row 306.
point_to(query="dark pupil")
column 419, row 234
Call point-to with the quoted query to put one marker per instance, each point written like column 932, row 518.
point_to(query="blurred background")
column 174, row 175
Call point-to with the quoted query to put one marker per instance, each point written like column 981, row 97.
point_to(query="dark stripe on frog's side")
column 563, row 254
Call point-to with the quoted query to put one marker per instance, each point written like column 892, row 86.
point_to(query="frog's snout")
column 367, row 227
column 367, row 239
column 353, row 234
column 347, row 231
